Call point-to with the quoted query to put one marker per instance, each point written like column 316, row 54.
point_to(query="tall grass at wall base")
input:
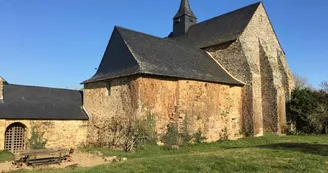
column 5, row 156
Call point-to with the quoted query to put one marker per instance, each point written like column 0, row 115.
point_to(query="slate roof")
column 221, row 29
column 130, row 52
column 184, row 10
column 40, row 103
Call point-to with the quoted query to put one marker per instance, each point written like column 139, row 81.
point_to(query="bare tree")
column 300, row 81
column 324, row 85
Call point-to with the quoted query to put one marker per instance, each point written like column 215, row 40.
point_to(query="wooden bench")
column 42, row 157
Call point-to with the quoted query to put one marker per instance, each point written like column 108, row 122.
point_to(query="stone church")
column 227, row 76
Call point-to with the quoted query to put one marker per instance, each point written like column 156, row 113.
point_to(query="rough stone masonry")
column 247, row 49
column 224, row 77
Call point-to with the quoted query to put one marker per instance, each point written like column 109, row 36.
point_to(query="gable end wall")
column 257, row 59
column 274, row 79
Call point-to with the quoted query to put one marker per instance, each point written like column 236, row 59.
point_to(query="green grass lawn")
column 5, row 156
column 270, row 153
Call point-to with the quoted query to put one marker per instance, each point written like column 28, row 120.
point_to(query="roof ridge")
column 242, row 8
column 128, row 35
column 160, row 38
column 219, row 29
column 43, row 87
column 120, row 27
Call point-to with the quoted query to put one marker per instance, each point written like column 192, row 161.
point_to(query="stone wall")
column 107, row 99
column 232, row 57
column 2, row 82
column 213, row 108
column 257, row 59
column 269, row 94
column 261, row 44
column 58, row 134
column 1, row 91
column 159, row 98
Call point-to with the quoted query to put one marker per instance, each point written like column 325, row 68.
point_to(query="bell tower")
column 184, row 19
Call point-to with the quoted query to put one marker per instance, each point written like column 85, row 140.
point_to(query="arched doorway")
column 15, row 137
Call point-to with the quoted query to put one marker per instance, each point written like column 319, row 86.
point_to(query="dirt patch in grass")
column 271, row 153
column 79, row 159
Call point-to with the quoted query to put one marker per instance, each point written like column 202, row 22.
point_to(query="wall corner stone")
column 2, row 83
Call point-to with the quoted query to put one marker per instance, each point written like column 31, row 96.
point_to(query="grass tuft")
column 5, row 156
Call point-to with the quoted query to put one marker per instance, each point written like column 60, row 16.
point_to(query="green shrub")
column 224, row 136
column 247, row 129
column 36, row 140
column 198, row 137
column 145, row 130
column 307, row 112
column 171, row 138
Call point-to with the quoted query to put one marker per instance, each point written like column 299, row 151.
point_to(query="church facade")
column 223, row 77
column 227, row 75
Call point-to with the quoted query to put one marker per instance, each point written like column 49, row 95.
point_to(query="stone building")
column 224, row 77
column 56, row 115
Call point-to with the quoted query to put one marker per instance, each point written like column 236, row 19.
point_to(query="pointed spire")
column 184, row 10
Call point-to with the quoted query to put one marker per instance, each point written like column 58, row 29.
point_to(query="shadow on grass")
column 317, row 149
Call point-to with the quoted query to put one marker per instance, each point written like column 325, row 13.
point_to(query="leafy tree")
column 308, row 111
column 324, row 86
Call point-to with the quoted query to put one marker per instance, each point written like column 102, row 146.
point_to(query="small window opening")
column 234, row 123
column 108, row 88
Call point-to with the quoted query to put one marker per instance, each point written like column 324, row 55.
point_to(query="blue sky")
column 59, row 43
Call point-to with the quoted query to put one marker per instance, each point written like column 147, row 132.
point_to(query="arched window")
column 15, row 137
